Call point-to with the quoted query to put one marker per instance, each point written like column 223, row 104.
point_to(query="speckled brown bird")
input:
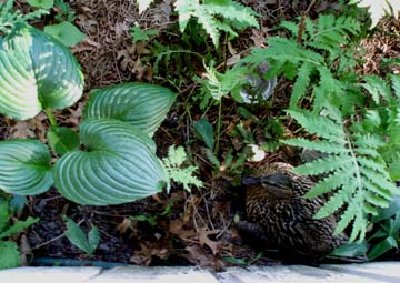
column 279, row 218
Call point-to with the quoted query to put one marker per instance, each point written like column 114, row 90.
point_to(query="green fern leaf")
column 359, row 229
column 300, row 86
column 232, row 11
column 334, row 204
column 215, row 16
column 357, row 173
column 176, row 171
column 377, row 87
column 335, row 180
column 325, row 165
column 318, row 145
column 291, row 26
column 347, row 216
column 322, row 126
column 395, row 81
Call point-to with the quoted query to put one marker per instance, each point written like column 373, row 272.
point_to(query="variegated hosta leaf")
column 118, row 165
column 142, row 105
column 36, row 72
column 25, row 167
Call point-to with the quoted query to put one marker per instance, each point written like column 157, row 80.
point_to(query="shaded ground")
column 181, row 228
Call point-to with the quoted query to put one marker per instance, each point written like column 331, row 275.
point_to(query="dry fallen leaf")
column 204, row 239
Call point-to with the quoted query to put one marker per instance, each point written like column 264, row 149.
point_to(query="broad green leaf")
column 351, row 249
column 63, row 140
column 76, row 236
column 93, row 238
column 18, row 227
column 142, row 105
column 36, row 73
column 66, row 32
column 118, row 165
column 205, row 130
column 382, row 247
column 9, row 255
column 25, row 167
column 43, row 4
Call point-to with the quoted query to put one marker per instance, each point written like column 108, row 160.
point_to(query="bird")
column 278, row 217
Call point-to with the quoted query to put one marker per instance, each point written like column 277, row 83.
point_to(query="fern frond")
column 325, row 165
column 301, row 84
column 318, row 145
column 322, row 126
column 334, row 180
column 233, row 11
column 290, row 26
column 359, row 228
column 395, row 81
column 335, row 202
column 377, row 87
column 209, row 12
column 177, row 172
column 329, row 32
column 357, row 174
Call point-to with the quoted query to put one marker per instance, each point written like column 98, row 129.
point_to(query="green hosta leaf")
column 205, row 130
column 25, row 167
column 66, row 32
column 76, row 236
column 142, row 105
column 36, row 72
column 118, row 165
column 63, row 140
column 43, row 4
column 9, row 255
column 18, row 226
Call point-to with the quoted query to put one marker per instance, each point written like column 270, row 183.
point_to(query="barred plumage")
column 282, row 219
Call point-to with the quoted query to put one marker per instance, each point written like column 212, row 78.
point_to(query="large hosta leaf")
column 36, row 72
column 142, row 105
column 118, row 165
column 25, row 167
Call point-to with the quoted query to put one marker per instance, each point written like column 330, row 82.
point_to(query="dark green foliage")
column 316, row 62
column 9, row 251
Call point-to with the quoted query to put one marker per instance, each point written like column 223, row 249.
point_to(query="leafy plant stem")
column 218, row 126
column 52, row 118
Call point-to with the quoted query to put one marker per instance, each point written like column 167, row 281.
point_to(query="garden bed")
column 179, row 227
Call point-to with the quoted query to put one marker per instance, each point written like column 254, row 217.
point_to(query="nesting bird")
column 281, row 219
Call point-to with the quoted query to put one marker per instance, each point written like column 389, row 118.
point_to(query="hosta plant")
column 113, row 158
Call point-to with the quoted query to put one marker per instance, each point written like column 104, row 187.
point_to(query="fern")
column 175, row 170
column 216, row 16
column 356, row 174
column 312, row 60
